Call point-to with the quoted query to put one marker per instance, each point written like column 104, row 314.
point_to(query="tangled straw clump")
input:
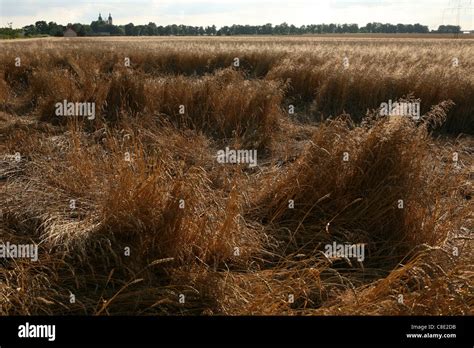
column 376, row 185
column 133, row 214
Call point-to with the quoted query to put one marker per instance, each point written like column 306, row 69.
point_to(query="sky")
column 227, row 12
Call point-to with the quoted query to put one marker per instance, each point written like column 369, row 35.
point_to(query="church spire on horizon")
column 108, row 21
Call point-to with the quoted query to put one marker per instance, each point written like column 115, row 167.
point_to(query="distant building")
column 70, row 33
column 101, row 27
column 108, row 21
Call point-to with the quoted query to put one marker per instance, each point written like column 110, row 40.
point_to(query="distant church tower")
column 108, row 21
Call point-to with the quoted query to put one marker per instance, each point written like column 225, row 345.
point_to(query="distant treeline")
column 151, row 29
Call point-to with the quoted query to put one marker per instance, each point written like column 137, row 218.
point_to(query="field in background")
column 134, row 214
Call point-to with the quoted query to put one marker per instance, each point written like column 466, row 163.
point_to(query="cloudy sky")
column 228, row 12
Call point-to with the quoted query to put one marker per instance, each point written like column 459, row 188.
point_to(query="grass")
column 133, row 213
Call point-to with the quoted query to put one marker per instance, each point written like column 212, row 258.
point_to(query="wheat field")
column 133, row 213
